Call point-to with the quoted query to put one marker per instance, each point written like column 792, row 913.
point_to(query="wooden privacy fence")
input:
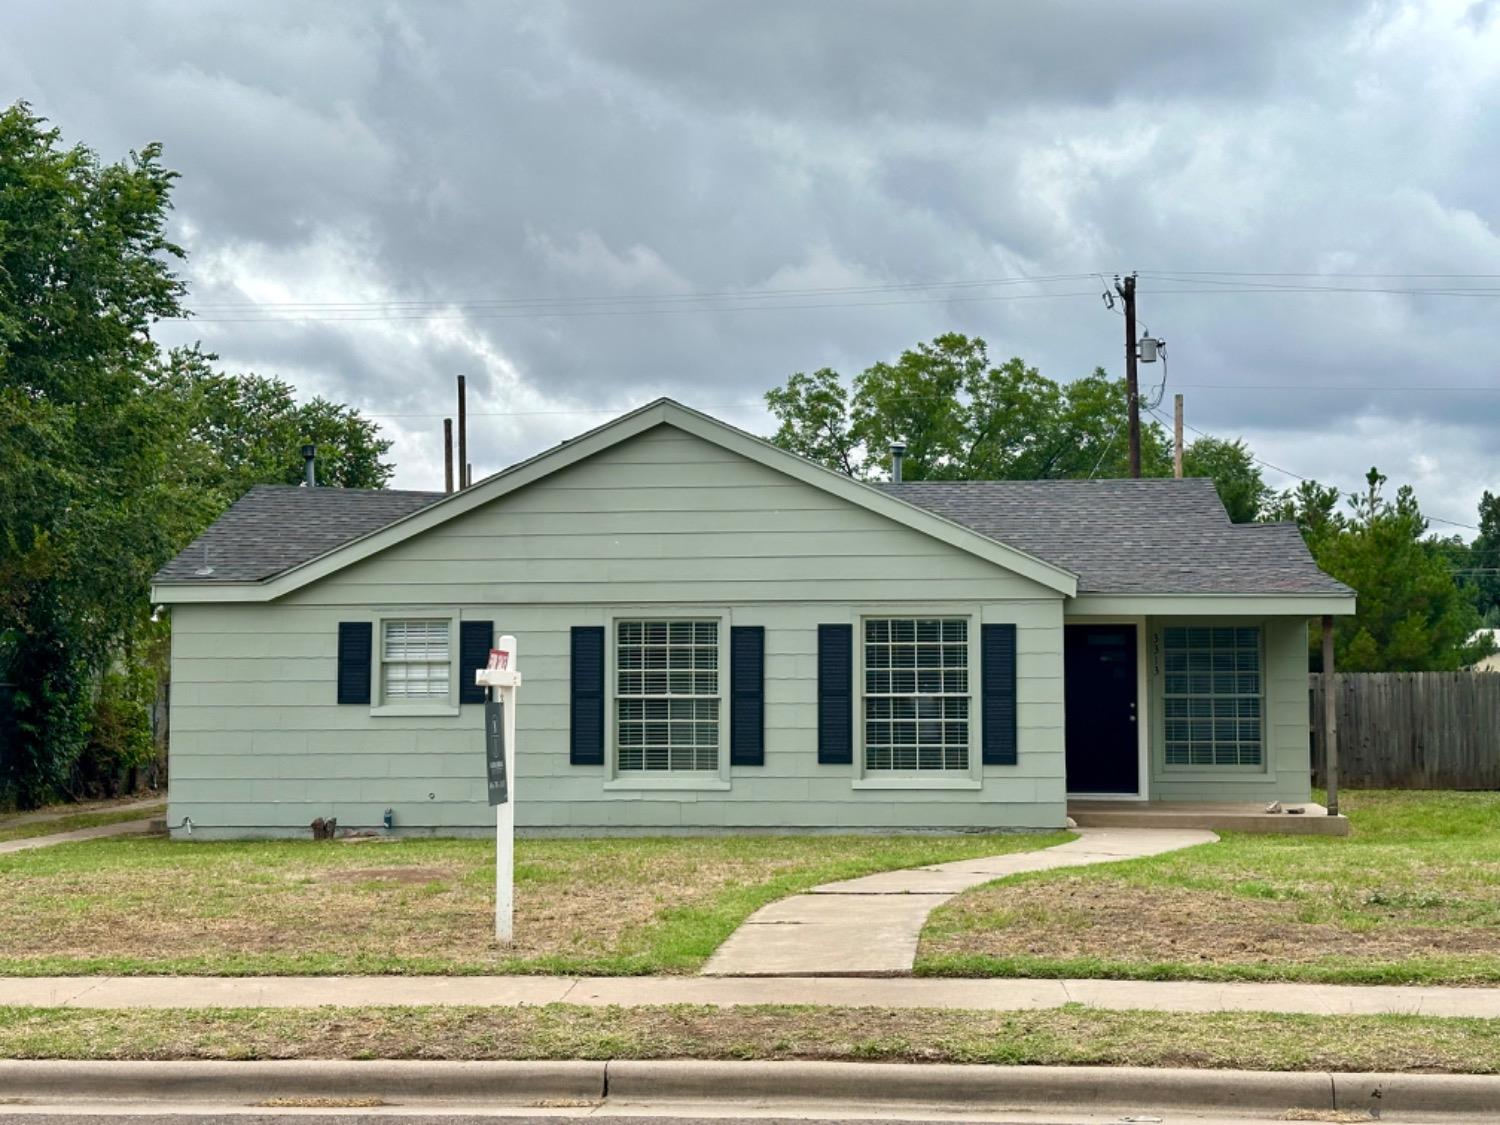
column 1411, row 730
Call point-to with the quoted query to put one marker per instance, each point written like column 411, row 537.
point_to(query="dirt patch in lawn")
column 388, row 875
column 417, row 906
column 1077, row 918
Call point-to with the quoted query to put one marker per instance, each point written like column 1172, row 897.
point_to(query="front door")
column 1099, row 695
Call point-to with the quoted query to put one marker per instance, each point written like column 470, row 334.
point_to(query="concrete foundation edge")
column 830, row 1082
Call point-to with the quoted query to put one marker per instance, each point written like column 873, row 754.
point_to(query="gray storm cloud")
column 441, row 175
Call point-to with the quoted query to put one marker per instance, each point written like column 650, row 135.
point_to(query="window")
column 917, row 694
column 1212, row 696
column 667, row 695
column 414, row 661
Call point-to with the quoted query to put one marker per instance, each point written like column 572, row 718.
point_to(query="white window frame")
column 1207, row 770
column 622, row 782
column 428, row 707
column 969, row 778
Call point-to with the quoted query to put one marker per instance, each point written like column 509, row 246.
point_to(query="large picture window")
column 1212, row 696
column 916, row 694
column 414, row 660
column 667, row 695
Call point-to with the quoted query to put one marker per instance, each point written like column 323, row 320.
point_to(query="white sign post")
column 502, row 678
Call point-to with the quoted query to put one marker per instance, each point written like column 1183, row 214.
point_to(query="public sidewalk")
column 870, row 926
column 632, row 992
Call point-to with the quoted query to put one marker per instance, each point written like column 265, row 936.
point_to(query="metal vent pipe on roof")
column 309, row 465
column 898, row 454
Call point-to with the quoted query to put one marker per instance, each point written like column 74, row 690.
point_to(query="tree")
column 249, row 429
column 1234, row 472
column 1411, row 617
column 962, row 419
column 1484, row 560
column 112, row 456
column 88, row 502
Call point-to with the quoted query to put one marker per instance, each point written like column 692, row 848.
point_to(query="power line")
column 699, row 295
column 548, row 313
column 1299, row 476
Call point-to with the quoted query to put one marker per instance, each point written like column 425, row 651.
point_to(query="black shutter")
column 835, row 694
column 997, row 678
column 475, row 639
column 355, row 642
column 747, row 692
column 586, row 741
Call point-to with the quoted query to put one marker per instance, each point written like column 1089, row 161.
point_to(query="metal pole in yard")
column 1330, row 720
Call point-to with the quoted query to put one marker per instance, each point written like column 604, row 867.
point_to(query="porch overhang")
column 1209, row 605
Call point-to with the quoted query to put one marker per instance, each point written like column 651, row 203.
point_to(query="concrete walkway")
column 995, row 995
column 869, row 927
column 143, row 805
column 123, row 828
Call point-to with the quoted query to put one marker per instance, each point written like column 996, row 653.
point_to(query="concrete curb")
column 1418, row 1093
column 968, row 1086
column 51, row 1080
column 833, row 1083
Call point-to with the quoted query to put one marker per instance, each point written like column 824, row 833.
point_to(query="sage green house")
column 717, row 635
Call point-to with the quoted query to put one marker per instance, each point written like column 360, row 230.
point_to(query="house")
column 719, row 635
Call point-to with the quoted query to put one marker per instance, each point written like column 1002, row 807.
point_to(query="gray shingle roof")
column 273, row 527
column 1118, row 536
column 1155, row 536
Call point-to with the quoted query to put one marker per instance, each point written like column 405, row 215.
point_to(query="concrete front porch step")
column 1215, row 816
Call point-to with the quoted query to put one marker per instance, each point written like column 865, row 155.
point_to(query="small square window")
column 414, row 660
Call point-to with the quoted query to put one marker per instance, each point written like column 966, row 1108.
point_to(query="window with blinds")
column 667, row 695
column 916, row 694
column 414, row 660
column 1212, row 696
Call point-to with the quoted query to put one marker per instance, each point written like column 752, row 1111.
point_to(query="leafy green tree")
column 1314, row 508
column 1412, row 617
column 1484, row 560
column 1235, row 473
column 245, row 430
column 962, row 419
column 89, row 503
column 111, row 455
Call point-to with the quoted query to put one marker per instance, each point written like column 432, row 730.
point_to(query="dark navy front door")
column 1099, row 704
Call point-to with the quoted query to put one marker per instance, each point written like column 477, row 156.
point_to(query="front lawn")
column 1413, row 896
column 1062, row 1037
column 603, row 906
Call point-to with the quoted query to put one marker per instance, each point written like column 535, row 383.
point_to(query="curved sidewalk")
column 869, row 927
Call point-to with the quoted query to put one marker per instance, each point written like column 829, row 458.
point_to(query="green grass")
column 1413, row 896
column 626, row 906
column 32, row 828
column 1073, row 1036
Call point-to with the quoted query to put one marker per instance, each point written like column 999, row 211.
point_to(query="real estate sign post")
column 502, row 678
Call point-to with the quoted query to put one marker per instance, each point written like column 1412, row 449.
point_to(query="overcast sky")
column 582, row 206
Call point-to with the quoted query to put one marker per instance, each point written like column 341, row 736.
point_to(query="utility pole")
column 464, row 437
column 447, row 454
column 1177, row 436
column 1126, row 288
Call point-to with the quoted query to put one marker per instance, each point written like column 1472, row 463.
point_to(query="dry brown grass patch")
column 1086, row 917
